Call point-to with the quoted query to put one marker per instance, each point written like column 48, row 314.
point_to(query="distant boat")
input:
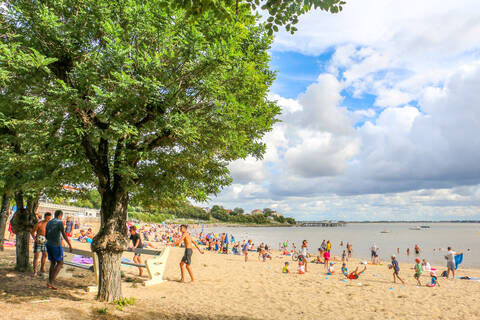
column 416, row 228
column 385, row 231
column 425, row 227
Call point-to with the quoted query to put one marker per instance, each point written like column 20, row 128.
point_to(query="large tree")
column 158, row 103
column 159, row 96
column 32, row 162
column 27, row 167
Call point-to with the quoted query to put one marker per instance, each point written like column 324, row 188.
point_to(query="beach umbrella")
column 226, row 238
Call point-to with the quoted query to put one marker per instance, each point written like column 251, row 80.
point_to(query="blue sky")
column 296, row 71
column 380, row 116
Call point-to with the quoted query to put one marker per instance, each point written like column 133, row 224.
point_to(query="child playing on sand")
column 187, row 257
column 264, row 254
column 331, row 269
column 82, row 237
column 426, row 266
column 434, row 280
column 304, row 255
column 344, row 269
column 396, row 270
column 326, row 258
column 355, row 274
column 285, row 268
column 418, row 271
column 301, row 267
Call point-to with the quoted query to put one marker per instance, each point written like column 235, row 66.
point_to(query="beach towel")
column 458, row 260
column 82, row 259
column 9, row 244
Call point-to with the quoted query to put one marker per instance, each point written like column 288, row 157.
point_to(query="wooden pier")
column 321, row 223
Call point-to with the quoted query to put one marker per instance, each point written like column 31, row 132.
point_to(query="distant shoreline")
column 233, row 225
column 453, row 221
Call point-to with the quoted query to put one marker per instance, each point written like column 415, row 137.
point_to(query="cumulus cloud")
column 412, row 153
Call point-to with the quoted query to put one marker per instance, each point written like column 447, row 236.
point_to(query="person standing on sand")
column 54, row 233
column 187, row 257
column 349, row 249
column 418, row 271
column 245, row 249
column 39, row 243
column 304, row 254
column 137, row 246
column 69, row 227
column 450, row 262
column 396, row 270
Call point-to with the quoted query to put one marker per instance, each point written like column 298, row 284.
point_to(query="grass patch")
column 121, row 303
column 102, row 311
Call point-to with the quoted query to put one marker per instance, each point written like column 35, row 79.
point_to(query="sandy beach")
column 228, row 288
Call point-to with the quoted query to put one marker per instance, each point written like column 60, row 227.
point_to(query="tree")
column 156, row 97
column 290, row 220
column 27, row 166
column 218, row 212
column 237, row 211
column 267, row 212
column 280, row 219
column 280, row 12
column 157, row 103
column 4, row 213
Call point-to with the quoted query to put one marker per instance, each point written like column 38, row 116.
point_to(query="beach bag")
column 444, row 274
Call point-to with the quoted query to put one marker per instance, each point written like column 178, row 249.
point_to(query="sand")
column 228, row 288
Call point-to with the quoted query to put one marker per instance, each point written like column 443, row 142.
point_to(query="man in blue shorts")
column 54, row 234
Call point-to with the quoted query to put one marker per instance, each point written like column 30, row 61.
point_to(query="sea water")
column 433, row 241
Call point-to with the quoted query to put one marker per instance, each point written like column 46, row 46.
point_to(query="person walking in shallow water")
column 187, row 257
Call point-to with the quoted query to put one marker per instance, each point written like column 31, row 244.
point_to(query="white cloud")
column 414, row 153
column 379, row 43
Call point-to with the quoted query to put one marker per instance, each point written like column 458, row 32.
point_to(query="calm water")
column 460, row 236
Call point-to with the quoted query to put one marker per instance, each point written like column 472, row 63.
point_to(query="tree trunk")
column 22, row 251
column 110, row 242
column 109, row 277
column 23, row 222
column 3, row 218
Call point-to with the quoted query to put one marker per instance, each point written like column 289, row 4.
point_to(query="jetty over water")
column 324, row 223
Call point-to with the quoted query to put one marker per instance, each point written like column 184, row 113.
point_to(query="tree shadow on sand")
column 23, row 287
column 158, row 315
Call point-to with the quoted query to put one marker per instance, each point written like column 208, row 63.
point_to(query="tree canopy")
column 148, row 101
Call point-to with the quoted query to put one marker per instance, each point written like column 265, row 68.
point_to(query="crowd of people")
column 51, row 232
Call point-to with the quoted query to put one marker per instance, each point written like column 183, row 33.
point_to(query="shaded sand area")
column 227, row 288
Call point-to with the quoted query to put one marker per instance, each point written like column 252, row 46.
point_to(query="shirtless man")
column 187, row 257
column 39, row 243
